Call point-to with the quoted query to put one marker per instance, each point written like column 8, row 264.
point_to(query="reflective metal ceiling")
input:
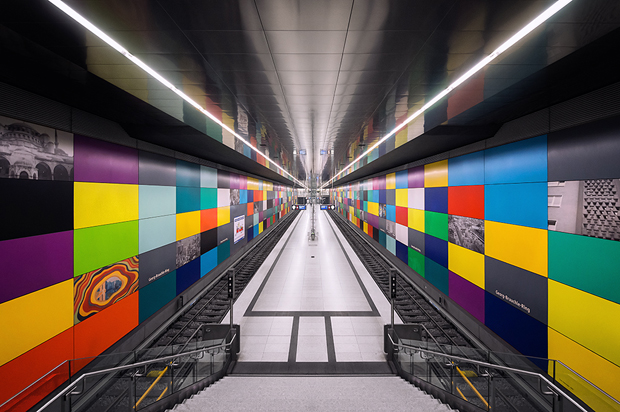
column 326, row 76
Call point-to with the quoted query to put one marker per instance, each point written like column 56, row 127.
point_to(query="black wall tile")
column 35, row 207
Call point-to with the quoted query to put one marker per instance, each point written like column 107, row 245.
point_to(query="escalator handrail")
column 74, row 384
column 555, row 389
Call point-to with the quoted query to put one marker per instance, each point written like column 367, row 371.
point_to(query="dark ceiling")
column 326, row 76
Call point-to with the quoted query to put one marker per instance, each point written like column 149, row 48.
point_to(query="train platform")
column 312, row 307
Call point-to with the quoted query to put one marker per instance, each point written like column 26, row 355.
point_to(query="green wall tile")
column 214, row 130
column 156, row 294
column 208, row 198
column 95, row 247
column 416, row 261
column 436, row 224
column 586, row 263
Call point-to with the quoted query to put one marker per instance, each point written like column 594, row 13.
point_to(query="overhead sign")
column 302, row 152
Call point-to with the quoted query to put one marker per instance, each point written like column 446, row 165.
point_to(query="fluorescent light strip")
column 111, row 42
column 544, row 16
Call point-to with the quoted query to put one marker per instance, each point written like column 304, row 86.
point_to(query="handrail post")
column 452, row 383
column 212, row 366
column 491, row 392
column 132, row 392
column 231, row 294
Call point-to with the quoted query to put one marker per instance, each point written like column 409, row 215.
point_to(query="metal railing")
column 421, row 359
column 187, row 362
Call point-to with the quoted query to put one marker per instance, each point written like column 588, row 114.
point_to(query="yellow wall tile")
column 416, row 219
column 586, row 319
column 188, row 224
column 520, row 246
column 390, row 181
column 597, row 370
column 98, row 204
column 436, row 174
column 467, row 264
column 373, row 208
column 30, row 320
column 402, row 197
column 401, row 137
column 252, row 183
column 223, row 215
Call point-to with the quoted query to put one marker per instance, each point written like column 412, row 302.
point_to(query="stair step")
column 309, row 393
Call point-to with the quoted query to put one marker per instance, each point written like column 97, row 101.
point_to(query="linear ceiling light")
column 116, row 46
column 544, row 16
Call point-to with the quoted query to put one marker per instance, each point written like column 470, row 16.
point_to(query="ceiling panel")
column 304, row 15
column 317, row 74
column 306, row 41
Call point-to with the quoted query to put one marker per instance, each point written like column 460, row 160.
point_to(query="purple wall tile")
column 372, row 220
column 234, row 181
column 468, row 295
column 378, row 183
column 32, row 263
column 415, row 177
column 99, row 161
column 243, row 182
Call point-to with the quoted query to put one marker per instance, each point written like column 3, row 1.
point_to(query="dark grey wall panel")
column 155, row 169
column 29, row 107
column 156, row 263
column 238, row 210
column 416, row 240
column 589, row 151
column 519, row 288
column 225, row 232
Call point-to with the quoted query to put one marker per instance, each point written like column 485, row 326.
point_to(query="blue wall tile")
column 522, row 204
column 187, row 275
column 156, row 232
column 157, row 201
column 525, row 333
column 188, row 174
column 520, row 162
column 436, row 199
column 390, row 213
column 188, row 199
column 466, row 170
column 436, row 249
column 402, row 252
column 402, row 181
column 208, row 261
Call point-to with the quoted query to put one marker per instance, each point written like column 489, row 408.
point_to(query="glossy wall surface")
column 104, row 237
column 502, row 233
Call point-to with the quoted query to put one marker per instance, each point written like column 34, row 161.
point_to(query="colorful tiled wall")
column 103, row 238
column 486, row 229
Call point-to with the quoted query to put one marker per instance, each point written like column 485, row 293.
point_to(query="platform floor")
column 312, row 307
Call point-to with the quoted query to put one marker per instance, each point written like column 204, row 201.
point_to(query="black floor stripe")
column 329, row 335
column 310, row 313
column 292, row 350
column 262, row 286
column 357, row 276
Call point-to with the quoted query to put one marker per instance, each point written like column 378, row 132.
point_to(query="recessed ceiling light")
column 544, row 16
column 116, row 46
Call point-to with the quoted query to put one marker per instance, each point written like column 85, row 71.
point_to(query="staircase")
column 311, row 393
